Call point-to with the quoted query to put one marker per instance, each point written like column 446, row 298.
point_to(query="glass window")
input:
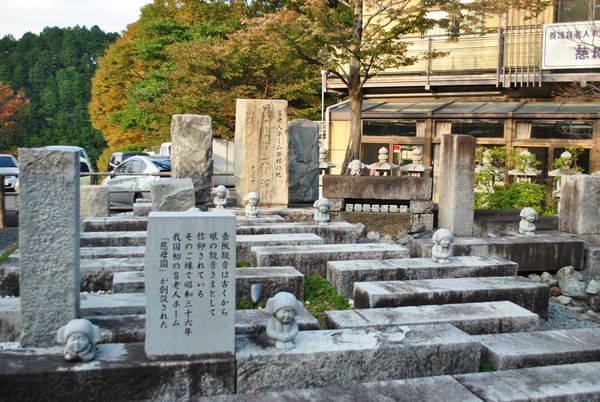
column 405, row 128
column 137, row 166
column 583, row 160
column 8, row 161
column 123, row 167
column 573, row 10
column 370, row 152
column 479, row 128
column 567, row 130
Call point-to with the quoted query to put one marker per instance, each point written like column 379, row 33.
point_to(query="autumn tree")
column 11, row 108
column 356, row 39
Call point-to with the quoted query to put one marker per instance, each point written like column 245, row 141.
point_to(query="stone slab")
column 115, row 224
column 260, row 220
column 340, row 357
column 592, row 260
column 342, row 274
column 427, row 389
column 303, row 160
column 333, row 233
column 113, row 252
column 94, row 201
column 313, row 259
column 261, row 150
column 578, row 205
column 394, row 188
column 9, row 280
column 49, row 240
column 272, row 279
column 119, row 372
column 533, row 253
column 522, row 291
column 113, row 239
column 472, row 318
column 246, row 242
column 570, row 382
column 10, row 319
column 172, row 195
column 541, row 348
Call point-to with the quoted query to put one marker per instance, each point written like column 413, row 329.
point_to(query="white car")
column 9, row 165
column 126, row 184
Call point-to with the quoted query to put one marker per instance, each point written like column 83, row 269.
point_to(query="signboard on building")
column 571, row 45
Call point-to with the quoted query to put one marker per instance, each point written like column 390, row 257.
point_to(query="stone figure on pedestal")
column 440, row 251
column 282, row 327
column 252, row 201
column 322, row 216
column 528, row 216
column 356, row 167
column 221, row 193
column 80, row 337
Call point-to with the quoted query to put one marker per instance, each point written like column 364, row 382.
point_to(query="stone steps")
column 472, row 318
column 333, row 233
column 272, row 279
column 542, row 348
column 244, row 243
column 522, row 291
column 112, row 239
column 313, row 259
column 343, row 274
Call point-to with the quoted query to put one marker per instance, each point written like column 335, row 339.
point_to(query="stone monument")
column 261, row 150
column 303, row 160
column 80, row 338
column 49, row 242
column 578, row 207
column 190, row 283
column 282, row 327
column 191, row 155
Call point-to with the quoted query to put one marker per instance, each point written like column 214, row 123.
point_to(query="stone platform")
column 522, row 291
column 339, row 357
column 313, row 259
column 472, row 318
column 244, row 243
column 544, row 252
column 333, row 233
column 343, row 274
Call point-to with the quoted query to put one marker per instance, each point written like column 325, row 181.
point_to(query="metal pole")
column 323, row 90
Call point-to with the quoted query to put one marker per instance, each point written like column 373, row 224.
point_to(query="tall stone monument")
column 49, row 243
column 191, row 155
column 579, row 204
column 456, row 180
column 303, row 162
column 190, row 283
column 261, row 150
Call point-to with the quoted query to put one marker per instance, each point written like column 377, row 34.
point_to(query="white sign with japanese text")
column 571, row 45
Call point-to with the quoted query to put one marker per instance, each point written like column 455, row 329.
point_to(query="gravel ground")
column 8, row 237
column 563, row 317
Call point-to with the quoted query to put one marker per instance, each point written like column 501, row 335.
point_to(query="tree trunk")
column 353, row 150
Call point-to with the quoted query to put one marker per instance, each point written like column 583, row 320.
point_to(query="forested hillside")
column 54, row 70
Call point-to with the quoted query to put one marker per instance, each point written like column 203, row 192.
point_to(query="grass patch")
column 242, row 264
column 7, row 252
column 486, row 367
column 319, row 297
column 247, row 304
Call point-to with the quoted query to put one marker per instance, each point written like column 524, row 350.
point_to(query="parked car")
column 124, row 190
column 9, row 165
column 85, row 164
column 118, row 157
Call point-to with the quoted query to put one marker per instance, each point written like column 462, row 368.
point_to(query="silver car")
column 9, row 167
column 131, row 180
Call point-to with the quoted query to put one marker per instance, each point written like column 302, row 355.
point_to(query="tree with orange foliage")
column 11, row 108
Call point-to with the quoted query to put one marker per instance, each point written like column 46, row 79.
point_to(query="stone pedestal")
column 261, row 150
column 49, row 243
column 303, row 163
column 578, row 207
column 456, row 195
column 191, row 155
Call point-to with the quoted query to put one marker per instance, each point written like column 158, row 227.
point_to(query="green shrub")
column 319, row 297
column 518, row 195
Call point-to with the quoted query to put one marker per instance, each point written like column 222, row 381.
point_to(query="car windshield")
column 164, row 165
column 7, row 161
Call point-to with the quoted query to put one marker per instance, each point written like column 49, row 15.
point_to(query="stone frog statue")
column 282, row 327
column 252, row 200
column 440, row 252
column 528, row 216
column 322, row 216
column 221, row 193
column 80, row 338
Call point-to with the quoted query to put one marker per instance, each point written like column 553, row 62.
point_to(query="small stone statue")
column 252, row 200
column 282, row 327
column 356, row 167
column 80, row 337
column 440, row 252
column 528, row 216
column 221, row 193
column 323, row 206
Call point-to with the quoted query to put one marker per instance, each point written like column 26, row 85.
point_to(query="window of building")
column 578, row 10
column 404, row 128
column 370, row 152
column 479, row 128
column 567, row 130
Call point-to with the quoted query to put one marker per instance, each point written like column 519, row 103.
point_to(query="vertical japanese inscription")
column 190, row 257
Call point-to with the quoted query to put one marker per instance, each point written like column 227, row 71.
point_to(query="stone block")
column 191, row 152
column 112, row 239
column 421, row 207
column 49, row 242
column 472, row 318
column 342, row 357
column 456, row 195
column 128, row 282
column 425, row 219
column 313, row 259
column 333, row 233
column 115, row 224
column 10, row 319
column 532, row 253
column 190, row 283
column 142, row 208
column 262, row 219
column 384, row 224
column 94, row 202
column 261, row 150
column 246, row 242
column 569, row 382
column 119, row 372
column 343, row 274
column 592, row 260
column 172, row 195
column 9, row 280
column 540, row 348
column 578, row 206
column 272, row 281
column 303, row 160
column 522, row 291
column 113, row 252
column 393, row 188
